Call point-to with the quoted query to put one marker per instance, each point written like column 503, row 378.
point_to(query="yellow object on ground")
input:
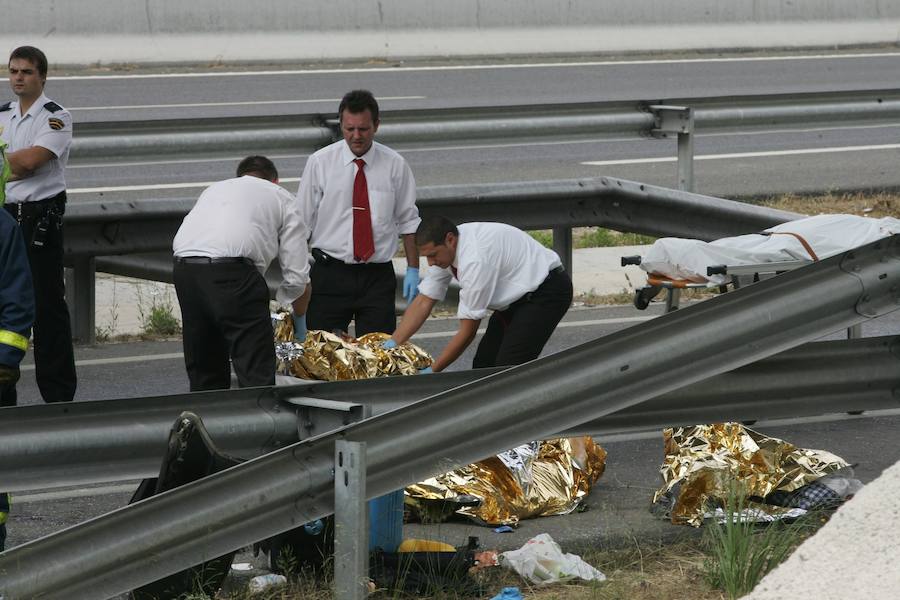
column 416, row 545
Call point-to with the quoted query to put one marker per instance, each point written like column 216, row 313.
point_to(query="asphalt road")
column 833, row 156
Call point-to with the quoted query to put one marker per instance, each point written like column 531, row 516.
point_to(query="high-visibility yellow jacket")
column 16, row 293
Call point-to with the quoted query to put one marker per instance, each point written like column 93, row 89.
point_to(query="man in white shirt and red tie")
column 499, row 268
column 357, row 197
column 222, row 249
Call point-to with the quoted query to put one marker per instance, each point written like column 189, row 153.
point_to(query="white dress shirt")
column 253, row 218
column 496, row 264
column 34, row 129
column 326, row 200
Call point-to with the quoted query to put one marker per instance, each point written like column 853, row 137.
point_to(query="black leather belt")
column 216, row 260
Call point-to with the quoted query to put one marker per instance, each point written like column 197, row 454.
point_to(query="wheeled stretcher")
column 675, row 264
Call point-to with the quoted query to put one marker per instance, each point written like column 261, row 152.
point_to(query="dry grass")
column 640, row 572
column 880, row 204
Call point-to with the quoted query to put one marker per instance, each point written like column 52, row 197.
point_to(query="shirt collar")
column 35, row 108
column 348, row 157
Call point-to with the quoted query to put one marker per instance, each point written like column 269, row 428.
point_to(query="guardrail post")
column 81, row 297
column 678, row 120
column 562, row 245
column 351, row 534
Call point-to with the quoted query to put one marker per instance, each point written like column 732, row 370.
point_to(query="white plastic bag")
column 541, row 560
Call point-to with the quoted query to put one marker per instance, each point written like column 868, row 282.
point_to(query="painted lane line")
column 159, row 186
column 118, row 360
column 389, row 69
column 422, row 336
column 75, row 493
column 180, row 161
column 767, row 153
column 247, row 103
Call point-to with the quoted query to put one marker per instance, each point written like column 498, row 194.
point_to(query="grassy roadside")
column 692, row 569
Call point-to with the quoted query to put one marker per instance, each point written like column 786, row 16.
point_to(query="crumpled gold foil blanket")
column 534, row 480
column 328, row 357
column 707, row 462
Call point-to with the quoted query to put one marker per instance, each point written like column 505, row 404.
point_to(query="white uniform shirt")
column 326, row 200
column 43, row 127
column 254, row 218
column 496, row 264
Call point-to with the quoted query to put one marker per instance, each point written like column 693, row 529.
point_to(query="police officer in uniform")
column 38, row 133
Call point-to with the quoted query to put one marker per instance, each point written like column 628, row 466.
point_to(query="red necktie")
column 363, row 244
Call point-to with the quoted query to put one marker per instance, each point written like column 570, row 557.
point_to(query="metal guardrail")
column 186, row 526
column 308, row 132
column 149, row 226
column 106, row 229
column 50, row 446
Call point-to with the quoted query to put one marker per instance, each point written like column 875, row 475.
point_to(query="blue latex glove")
column 388, row 344
column 425, row 370
column 299, row 327
column 411, row 283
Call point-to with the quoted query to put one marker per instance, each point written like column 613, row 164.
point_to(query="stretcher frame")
column 740, row 275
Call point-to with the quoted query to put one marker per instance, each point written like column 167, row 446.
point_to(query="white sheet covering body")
column 827, row 235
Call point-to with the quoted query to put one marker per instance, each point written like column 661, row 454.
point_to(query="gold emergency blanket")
column 328, row 357
column 706, row 462
column 533, row 480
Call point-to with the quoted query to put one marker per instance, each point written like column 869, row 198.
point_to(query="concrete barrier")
column 148, row 31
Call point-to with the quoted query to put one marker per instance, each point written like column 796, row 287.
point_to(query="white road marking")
column 247, row 103
column 157, row 186
column 178, row 161
column 422, row 336
column 765, row 153
column 74, row 493
column 392, row 69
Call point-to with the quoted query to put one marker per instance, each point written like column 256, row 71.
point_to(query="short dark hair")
column 259, row 166
column 435, row 230
column 358, row 101
column 32, row 55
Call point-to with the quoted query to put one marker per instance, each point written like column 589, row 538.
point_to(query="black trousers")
column 518, row 334
column 225, row 314
column 341, row 293
column 54, row 356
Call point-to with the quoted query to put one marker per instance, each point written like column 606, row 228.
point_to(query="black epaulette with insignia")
column 53, row 106
column 5, row 106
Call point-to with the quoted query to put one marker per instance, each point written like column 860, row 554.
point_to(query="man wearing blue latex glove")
column 411, row 284
column 358, row 197
column 299, row 327
column 225, row 244
column 502, row 272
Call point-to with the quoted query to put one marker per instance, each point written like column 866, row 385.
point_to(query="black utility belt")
column 38, row 207
column 213, row 260
column 325, row 259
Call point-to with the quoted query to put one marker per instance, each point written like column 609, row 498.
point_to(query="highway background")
column 837, row 156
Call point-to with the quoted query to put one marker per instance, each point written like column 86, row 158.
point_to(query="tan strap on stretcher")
column 800, row 239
